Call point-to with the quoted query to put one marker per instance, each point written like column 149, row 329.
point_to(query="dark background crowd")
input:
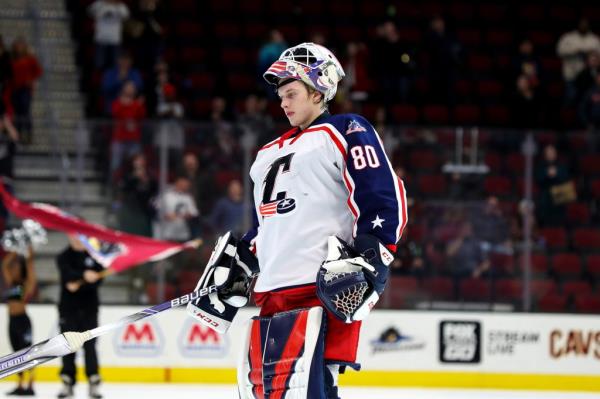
column 187, row 75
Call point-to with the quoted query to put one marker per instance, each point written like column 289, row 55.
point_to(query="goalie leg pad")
column 283, row 356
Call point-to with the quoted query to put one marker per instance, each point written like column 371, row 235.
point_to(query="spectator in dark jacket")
column 228, row 213
column 549, row 173
column 5, row 78
column 586, row 79
column 137, row 191
column 394, row 64
column 589, row 110
column 445, row 59
column 8, row 148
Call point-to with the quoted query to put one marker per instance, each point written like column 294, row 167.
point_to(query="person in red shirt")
column 26, row 70
column 128, row 111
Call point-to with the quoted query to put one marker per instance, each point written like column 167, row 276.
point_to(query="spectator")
column 381, row 124
column 18, row 272
column 527, row 63
column 179, row 215
column 156, row 82
column 114, row 79
column 586, row 79
column 128, row 112
column 394, row 64
column 550, row 173
column 137, row 191
column 256, row 119
column 573, row 48
column 445, row 59
column 356, row 85
column 147, row 36
column 269, row 53
column 526, row 104
column 109, row 16
column 410, row 259
column 517, row 222
column 465, row 255
column 6, row 76
column 170, row 132
column 198, row 180
column 228, row 213
column 589, row 110
column 492, row 227
column 319, row 38
column 78, row 311
column 8, row 147
column 26, row 70
column 464, row 186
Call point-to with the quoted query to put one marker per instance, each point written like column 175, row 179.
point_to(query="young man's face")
column 300, row 106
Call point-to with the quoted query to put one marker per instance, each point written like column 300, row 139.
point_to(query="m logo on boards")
column 198, row 340
column 139, row 339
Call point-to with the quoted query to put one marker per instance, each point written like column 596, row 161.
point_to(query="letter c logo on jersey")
column 281, row 204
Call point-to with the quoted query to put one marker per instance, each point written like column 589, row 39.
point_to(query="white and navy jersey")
column 332, row 178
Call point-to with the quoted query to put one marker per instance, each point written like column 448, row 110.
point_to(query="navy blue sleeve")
column 376, row 193
column 251, row 234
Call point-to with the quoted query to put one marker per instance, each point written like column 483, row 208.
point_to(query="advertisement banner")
column 391, row 341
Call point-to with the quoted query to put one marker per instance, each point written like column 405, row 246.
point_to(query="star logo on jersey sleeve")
column 377, row 222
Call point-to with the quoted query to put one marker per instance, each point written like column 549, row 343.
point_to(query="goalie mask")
column 310, row 63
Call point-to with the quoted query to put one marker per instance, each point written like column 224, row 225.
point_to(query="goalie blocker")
column 231, row 267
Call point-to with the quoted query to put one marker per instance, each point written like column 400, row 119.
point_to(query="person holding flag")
column 80, row 276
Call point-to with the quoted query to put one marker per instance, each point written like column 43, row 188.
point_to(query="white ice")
column 195, row 391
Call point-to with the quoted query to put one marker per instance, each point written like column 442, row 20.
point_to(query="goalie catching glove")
column 351, row 279
column 231, row 267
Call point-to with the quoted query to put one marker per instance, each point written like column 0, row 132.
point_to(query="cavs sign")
column 575, row 343
column 197, row 340
column 139, row 339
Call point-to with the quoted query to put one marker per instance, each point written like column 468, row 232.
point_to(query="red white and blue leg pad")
column 283, row 357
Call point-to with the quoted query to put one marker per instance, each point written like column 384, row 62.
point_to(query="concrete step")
column 55, row 192
column 11, row 28
column 61, row 68
column 54, row 26
column 57, row 57
column 62, row 124
column 70, row 110
column 64, row 95
column 32, row 173
column 53, row 14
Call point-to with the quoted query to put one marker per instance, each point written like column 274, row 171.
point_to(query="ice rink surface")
column 190, row 391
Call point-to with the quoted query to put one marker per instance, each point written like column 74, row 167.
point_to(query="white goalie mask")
column 310, row 63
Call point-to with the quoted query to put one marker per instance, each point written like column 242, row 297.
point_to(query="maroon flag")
column 113, row 249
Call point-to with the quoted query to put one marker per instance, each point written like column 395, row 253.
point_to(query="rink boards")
column 398, row 348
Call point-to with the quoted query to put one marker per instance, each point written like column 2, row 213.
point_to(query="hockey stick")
column 70, row 342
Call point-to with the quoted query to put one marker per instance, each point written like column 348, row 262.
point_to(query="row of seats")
column 437, row 185
column 547, row 294
column 485, row 14
column 513, row 162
